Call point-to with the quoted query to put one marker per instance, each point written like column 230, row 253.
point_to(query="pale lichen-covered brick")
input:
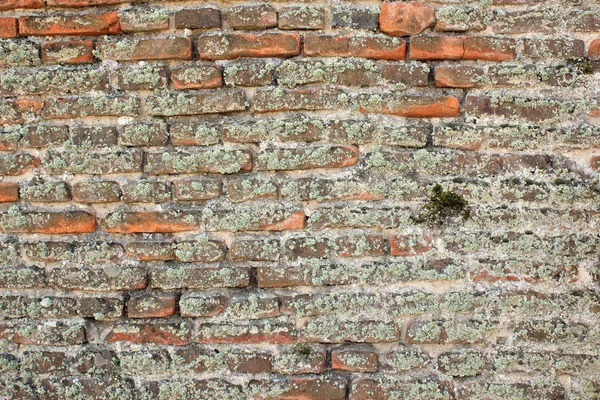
column 335, row 330
column 354, row 359
column 297, row 129
column 18, row 53
column 583, row 20
column 550, row 389
column 52, row 223
column 94, row 105
column 55, row 81
column 94, row 136
column 302, row 17
column 306, row 247
column 19, row 111
column 252, row 187
column 58, row 162
column 538, row 21
column 355, row 17
column 463, row 362
column 378, row 47
column 144, row 361
column 198, row 18
column 194, row 133
column 96, row 192
column 249, row 362
column 252, row 16
column 141, row 77
column 215, row 160
column 212, row 388
column 81, row 3
column 192, row 103
column 100, row 307
column 146, row 191
column 553, row 48
column 136, row 49
column 460, row 19
column 149, row 221
column 17, row 163
column 328, row 189
column 381, row 387
column 45, row 191
column 273, row 100
column 323, row 156
column 59, row 334
column 351, row 72
column 221, row 46
column 252, row 217
column 253, row 306
column 354, row 216
column 402, row 75
column 301, row 358
column 150, row 251
column 144, row 19
column 196, row 189
column 144, row 134
column 457, row 331
column 253, row 332
column 9, row 28
column 317, row 388
column 530, row 109
column 256, row 248
column 44, row 136
column 249, row 72
column 199, row 304
column 200, row 250
column 409, row 106
column 22, row 277
column 199, row 76
column 459, row 76
column 68, row 52
column 403, row 358
column 405, row 19
column 70, row 25
column 190, row 276
column 360, row 245
column 92, row 386
column 345, row 131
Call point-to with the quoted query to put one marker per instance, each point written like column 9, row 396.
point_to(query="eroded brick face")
column 299, row 200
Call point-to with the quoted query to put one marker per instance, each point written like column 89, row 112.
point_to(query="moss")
column 442, row 206
column 302, row 348
column 584, row 66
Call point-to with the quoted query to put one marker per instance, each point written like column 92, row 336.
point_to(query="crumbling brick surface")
column 312, row 200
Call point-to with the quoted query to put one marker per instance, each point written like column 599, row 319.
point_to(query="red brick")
column 252, row 16
column 148, row 221
column 234, row 45
column 229, row 333
column 201, row 76
column 9, row 192
column 9, row 28
column 457, row 76
column 489, row 48
column 405, row 19
column 71, row 52
column 595, row 163
column 375, row 47
column 410, row 106
column 12, row 4
column 299, row 388
column 436, row 48
column 594, row 50
column 84, row 25
column 410, row 245
column 354, row 360
column 151, row 306
column 51, row 223
column 177, row 334
column 82, row 3
column 17, row 111
column 135, row 49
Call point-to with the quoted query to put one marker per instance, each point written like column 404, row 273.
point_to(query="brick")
column 358, row 245
column 150, row 251
column 355, row 17
column 410, row 106
column 251, row 363
column 198, row 18
column 489, row 48
column 458, row 76
column 22, row 277
column 275, row 333
column 324, row 156
column 355, row 72
column 189, row 276
column 460, row 19
column 410, row 245
column 196, row 189
column 194, row 388
column 528, row 109
column 194, row 133
column 144, row 19
column 146, row 191
column 235, row 45
column 251, row 188
column 144, row 134
column 437, row 48
column 333, row 330
column 151, row 306
column 34, row 334
column 404, row 358
column 252, row 218
column 67, row 25
column 144, row 77
column 385, row 387
column 19, row 53
column 412, row 74
column 302, row 17
column 253, row 307
column 95, row 105
column 17, row 163
column 461, row 362
column 249, row 72
column 201, row 76
column 200, row 250
column 314, row 388
column 96, row 192
column 252, row 16
column 28, row 4
column 298, row 129
column 471, row 330
column 148, row 221
column 44, row 191
column 68, row 52
column 136, row 49
column 38, row 136
column 354, row 359
column 94, row 136
column 350, row 216
column 194, row 103
column 165, row 333
column 272, row 100
column 550, row 390
column 9, row 28
column 256, row 249
column 322, row 190
column 219, row 160
column 594, row 49
column 51, row 223
column 196, row 304
column 405, row 19
column 81, row 3
column 19, row 111
column 100, row 308
column 9, row 192
column 377, row 47
column 553, row 48
column 58, row 162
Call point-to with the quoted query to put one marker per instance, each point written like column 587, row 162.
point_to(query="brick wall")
column 299, row 200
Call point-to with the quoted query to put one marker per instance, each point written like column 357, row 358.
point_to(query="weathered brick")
column 196, row 304
column 200, row 250
column 149, row 221
column 405, row 19
column 594, row 49
column 177, row 276
column 355, row 17
column 197, row 189
column 302, row 17
column 228, row 46
column 193, row 388
column 385, row 387
column 150, row 251
column 40, row 81
column 459, row 19
column 298, row 129
column 315, row 388
column 410, row 106
column 151, row 306
column 12, row 4
column 249, row 72
column 198, row 18
column 354, row 359
column 19, row 111
column 146, row 191
column 144, row 134
column 94, row 105
column 323, row 189
column 488, row 48
column 200, row 76
column 96, row 192
column 301, row 358
column 273, row 100
column 68, row 52
column 274, row 333
column 17, row 163
column 327, row 156
column 193, row 103
column 22, row 277
column 251, row 188
column 18, row 53
column 355, row 72
column 358, row 245
column 44, row 191
column 58, row 162
column 437, row 48
column 252, row 363
column 49, row 335
column 81, row 3
column 334, row 330
column 252, row 218
column 9, row 28
column 9, row 192
column 144, row 77
column 218, row 160
column 135, row 49
column 252, row 16
column 165, row 333
column 94, row 136
column 377, row 47
column 52, row 223
column 144, row 19
column 553, row 48
column 256, row 249
column 110, row 277
column 84, row 25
